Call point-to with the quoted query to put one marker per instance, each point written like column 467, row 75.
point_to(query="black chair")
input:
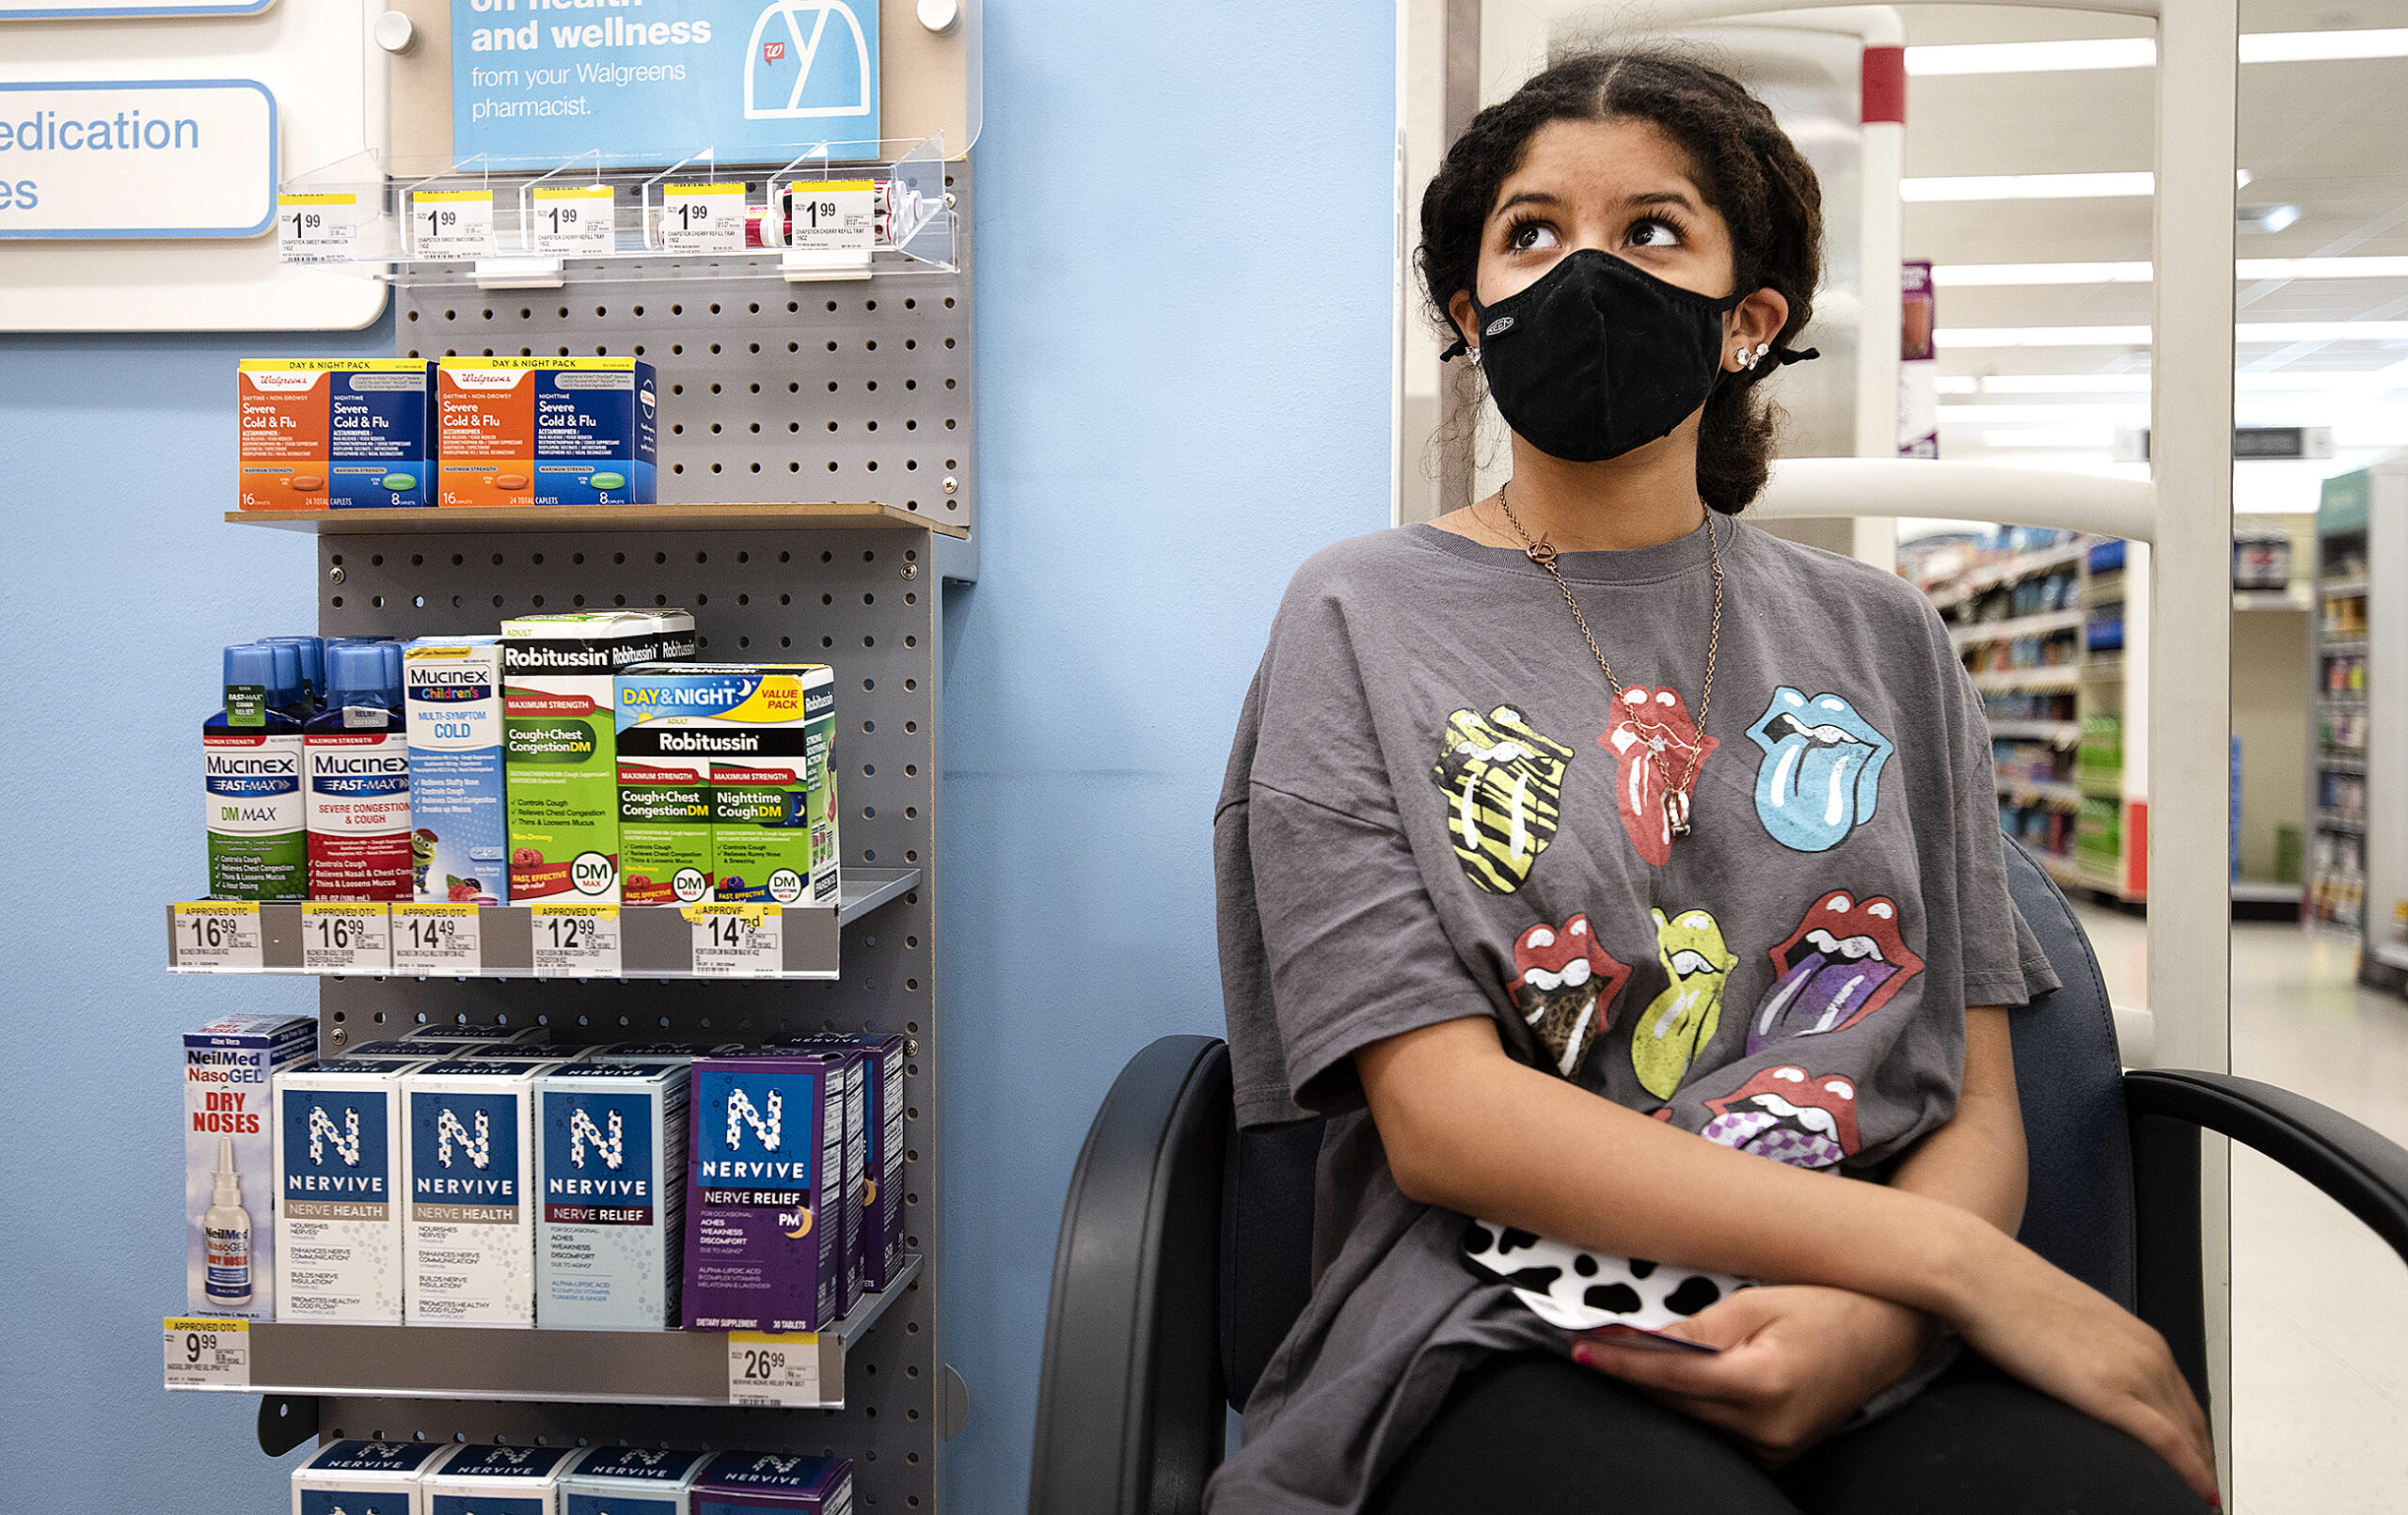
column 1186, row 1244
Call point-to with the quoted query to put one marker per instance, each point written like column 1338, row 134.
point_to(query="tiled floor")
column 2320, row 1307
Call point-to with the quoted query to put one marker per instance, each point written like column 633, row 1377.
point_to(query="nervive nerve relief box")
column 611, row 1149
column 339, row 1192
column 470, row 1243
column 767, row 1158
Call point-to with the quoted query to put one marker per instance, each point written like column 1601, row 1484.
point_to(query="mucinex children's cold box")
column 339, row 1192
column 612, row 1171
column 468, row 1244
column 632, row 1481
column 767, row 1158
column 560, row 743
column 365, row 1478
column 230, row 1159
column 339, row 432
column 546, row 431
column 474, row 1480
column 764, row 736
column 459, row 827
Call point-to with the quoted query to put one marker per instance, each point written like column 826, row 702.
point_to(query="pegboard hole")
column 418, row 601
column 911, row 305
column 338, row 601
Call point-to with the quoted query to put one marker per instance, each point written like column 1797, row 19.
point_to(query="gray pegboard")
column 770, row 391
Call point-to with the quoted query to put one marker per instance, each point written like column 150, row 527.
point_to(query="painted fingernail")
column 1582, row 1355
column 2216, row 1499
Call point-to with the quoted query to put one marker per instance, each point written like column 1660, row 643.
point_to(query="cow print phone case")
column 1581, row 1290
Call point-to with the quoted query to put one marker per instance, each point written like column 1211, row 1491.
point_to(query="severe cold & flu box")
column 612, row 1147
column 546, row 431
column 767, row 1158
column 470, row 1239
column 339, row 432
column 339, row 1192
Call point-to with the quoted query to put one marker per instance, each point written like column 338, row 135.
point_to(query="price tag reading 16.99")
column 574, row 940
column 345, row 939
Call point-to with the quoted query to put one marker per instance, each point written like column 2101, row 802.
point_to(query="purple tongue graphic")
column 1820, row 990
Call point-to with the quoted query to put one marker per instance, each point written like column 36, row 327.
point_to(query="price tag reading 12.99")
column 773, row 1367
column 435, row 939
column 574, row 940
column 701, row 218
column 574, row 220
column 736, row 941
column 345, row 939
column 452, row 223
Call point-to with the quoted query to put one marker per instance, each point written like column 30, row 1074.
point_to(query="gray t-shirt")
column 1436, row 808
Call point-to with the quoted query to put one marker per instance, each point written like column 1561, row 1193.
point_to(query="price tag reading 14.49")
column 574, row 940
column 773, row 1367
column 435, row 939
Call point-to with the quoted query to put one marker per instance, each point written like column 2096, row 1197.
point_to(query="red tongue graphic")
column 1652, row 738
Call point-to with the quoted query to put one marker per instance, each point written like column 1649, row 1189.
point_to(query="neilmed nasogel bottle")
column 358, row 769
column 251, row 751
column 227, row 1227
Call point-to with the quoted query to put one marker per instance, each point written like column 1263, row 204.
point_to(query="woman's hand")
column 1796, row 1362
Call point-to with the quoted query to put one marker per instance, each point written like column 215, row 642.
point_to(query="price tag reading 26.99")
column 773, row 1367
column 574, row 940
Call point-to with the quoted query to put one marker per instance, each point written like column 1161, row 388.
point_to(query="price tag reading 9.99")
column 773, row 1367
column 574, row 940
column 345, row 939
column 435, row 939
column 207, row 1354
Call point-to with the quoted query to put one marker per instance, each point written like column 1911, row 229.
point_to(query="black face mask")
column 1599, row 357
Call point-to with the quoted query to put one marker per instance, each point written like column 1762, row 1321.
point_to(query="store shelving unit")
column 2049, row 635
column 2357, row 744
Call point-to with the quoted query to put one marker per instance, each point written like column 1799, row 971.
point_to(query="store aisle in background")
column 2320, row 1306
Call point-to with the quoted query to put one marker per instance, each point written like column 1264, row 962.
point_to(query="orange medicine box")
column 546, row 431
column 347, row 432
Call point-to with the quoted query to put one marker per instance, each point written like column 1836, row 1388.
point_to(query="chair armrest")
column 2365, row 1171
column 1130, row 1418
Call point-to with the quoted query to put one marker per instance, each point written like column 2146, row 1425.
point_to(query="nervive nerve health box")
column 547, row 431
column 470, row 1243
column 365, row 1478
column 612, row 1149
column 767, row 1158
column 339, row 1192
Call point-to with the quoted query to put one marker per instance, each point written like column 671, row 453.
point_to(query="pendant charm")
column 1676, row 813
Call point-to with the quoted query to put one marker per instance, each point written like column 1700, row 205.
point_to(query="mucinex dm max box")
column 546, row 431
column 365, row 1478
column 347, row 432
column 339, row 1192
column 230, row 1159
column 470, row 1239
column 766, row 1156
column 611, row 1170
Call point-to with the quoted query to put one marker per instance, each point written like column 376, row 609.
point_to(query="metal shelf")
column 2063, row 676
column 2063, row 732
column 2264, row 891
column 802, row 515
column 529, row 1364
column 2049, row 791
column 2340, row 588
column 1989, row 576
column 2029, row 626
column 655, row 941
column 2332, row 821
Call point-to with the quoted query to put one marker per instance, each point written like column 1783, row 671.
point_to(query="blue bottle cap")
column 355, row 669
column 252, row 663
column 286, row 690
column 313, row 657
column 393, row 669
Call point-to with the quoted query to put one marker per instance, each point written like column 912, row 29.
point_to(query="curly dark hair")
column 1741, row 159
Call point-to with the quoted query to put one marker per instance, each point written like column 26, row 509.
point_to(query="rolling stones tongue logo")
column 1844, row 961
column 1679, row 1021
column 1565, row 985
column 1503, row 779
column 1821, row 774
column 1790, row 1115
column 1653, row 741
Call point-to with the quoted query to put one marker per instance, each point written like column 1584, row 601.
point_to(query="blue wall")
column 1183, row 385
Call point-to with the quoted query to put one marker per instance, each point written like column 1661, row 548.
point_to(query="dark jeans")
column 1545, row 1436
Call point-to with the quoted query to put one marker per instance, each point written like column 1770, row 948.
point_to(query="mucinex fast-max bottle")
column 252, row 785
column 358, row 763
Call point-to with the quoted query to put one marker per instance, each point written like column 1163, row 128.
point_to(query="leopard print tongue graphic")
column 1565, row 985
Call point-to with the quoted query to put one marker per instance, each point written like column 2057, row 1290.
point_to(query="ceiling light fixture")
column 2095, row 52
column 2027, row 187
column 1996, row 276
column 2258, row 332
column 2260, row 220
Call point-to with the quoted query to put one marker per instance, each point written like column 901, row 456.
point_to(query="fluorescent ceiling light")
column 2357, row 383
column 1993, row 276
column 2066, row 384
column 2057, row 439
column 1956, row 384
column 2028, row 187
column 2125, row 414
column 2141, row 52
column 2248, row 332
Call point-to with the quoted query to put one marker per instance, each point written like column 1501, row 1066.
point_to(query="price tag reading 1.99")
column 831, row 214
column 574, row 940
column 316, row 228
column 574, row 220
column 773, row 1367
column 452, row 223
column 345, row 939
column 435, row 939
column 701, row 218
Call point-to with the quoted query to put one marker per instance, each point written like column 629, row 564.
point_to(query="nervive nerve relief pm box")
column 469, row 1238
column 766, row 1159
column 339, row 1192
column 611, row 1149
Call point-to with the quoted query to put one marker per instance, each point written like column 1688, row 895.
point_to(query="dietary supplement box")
column 546, row 431
column 365, row 1478
column 470, row 1239
column 478, row 1479
column 768, row 732
column 736, row 1483
column 229, row 1264
column 459, row 831
column 334, row 432
column 881, row 1243
column 611, row 1154
column 339, row 1192
column 765, row 1152
column 561, row 743
column 632, row 1481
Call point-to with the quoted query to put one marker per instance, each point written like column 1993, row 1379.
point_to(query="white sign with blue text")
column 138, row 158
column 647, row 82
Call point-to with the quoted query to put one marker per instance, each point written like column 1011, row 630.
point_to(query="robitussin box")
column 632, row 1481
column 339, row 1192
column 478, row 1479
column 612, row 1176
column 736, row 1483
column 365, row 1478
column 230, row 1159
column 469, row 1238
column 881, row 1245
column 767, row 1154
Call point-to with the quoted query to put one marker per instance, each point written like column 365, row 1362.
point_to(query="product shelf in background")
column 327, row 938
column 802, row 515
column 2029, row 626
column 531, row 1363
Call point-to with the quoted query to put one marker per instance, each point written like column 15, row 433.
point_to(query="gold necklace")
column 1677, row 796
